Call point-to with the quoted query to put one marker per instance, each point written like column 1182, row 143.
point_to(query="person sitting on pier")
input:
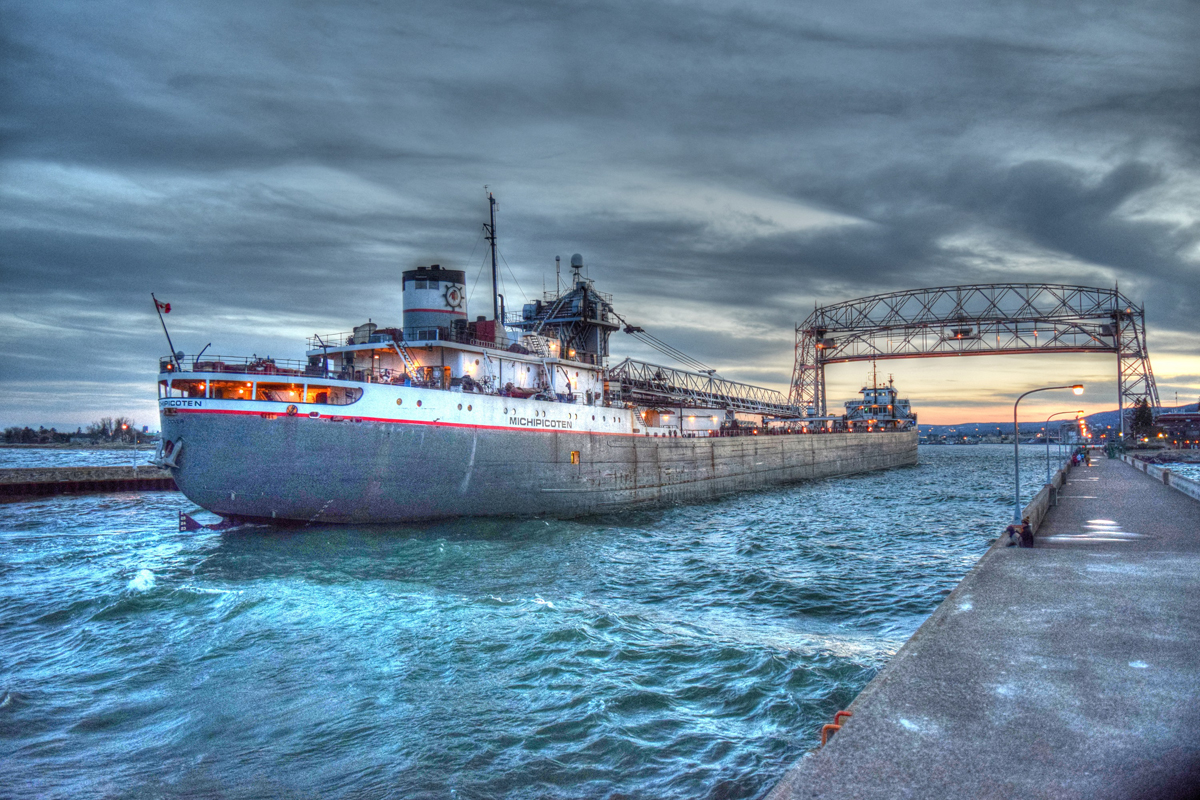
column 1020, row 534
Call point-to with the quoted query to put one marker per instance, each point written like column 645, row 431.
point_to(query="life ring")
column 292, row 411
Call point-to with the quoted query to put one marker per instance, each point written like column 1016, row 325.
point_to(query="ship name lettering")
column 540, row 422
column 182, row 403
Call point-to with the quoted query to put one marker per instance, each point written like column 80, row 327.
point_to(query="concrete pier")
column 22, row 484
column 1070, row 670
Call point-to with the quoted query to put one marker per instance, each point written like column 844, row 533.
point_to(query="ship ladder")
column 549, row 314
column 410, row 364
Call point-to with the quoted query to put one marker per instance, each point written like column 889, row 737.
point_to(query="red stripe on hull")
column 401, row 421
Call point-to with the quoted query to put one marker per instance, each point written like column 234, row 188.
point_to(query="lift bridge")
column 976, row 320
column 652, row 384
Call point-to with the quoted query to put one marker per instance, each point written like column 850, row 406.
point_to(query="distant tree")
column 123, row 429
column 102, row 428
column 1142, row 419
column 24, row 435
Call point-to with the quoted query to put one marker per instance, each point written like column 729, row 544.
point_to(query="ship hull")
column 348, row 470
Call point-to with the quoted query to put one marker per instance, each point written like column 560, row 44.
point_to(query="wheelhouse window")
column 332, row 395
column 279, row 392
column 182, row 388
column 231, row 390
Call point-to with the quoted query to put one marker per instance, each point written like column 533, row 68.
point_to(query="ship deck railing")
column 280, row 371
column 242, row 365
column 414, row 338
column 284, row 370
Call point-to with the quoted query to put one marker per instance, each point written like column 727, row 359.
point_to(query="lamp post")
column 1052, row 416
column 125, row 427
column 1077, row 389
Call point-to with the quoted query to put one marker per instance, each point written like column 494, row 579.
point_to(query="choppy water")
column 30, row 457
column 1184, row 468
column 689, row 652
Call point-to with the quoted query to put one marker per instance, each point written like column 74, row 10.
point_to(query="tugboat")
column 444, row 416
column 879, row 409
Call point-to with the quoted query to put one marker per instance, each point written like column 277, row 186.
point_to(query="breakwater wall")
column 38, row 482
column 1036, row 510
column 1177, row 482
column 1066, row 670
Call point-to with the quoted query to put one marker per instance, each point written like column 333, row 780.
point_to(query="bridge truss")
column 976, row 320
column 653, row 384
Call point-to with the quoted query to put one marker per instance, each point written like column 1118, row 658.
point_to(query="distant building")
column 1180, row 428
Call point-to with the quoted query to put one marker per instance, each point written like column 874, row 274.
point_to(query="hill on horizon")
column 1097, row 421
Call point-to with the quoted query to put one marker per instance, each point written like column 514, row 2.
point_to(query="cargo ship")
column 516, row 414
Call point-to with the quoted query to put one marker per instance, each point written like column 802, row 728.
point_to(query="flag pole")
column 158, row 310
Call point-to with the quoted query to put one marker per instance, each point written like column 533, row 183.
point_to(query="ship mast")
column 490, row 230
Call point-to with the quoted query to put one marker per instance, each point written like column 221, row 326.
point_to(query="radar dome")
column 577, row 260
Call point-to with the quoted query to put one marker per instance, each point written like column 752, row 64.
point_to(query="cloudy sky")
column 270, row 168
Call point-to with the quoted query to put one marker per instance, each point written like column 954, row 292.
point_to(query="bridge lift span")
column 976, row 320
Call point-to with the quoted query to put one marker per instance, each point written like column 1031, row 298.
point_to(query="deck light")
column 1077, row 388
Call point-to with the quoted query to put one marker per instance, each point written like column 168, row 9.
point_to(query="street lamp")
column 1052, row 416
column 125, row 427
column 1077, row 389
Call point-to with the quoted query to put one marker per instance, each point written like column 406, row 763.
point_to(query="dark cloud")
column 271, row 166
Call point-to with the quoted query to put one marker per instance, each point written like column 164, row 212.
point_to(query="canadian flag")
column 163, row 307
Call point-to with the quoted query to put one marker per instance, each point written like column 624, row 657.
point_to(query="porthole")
column 506, row 409
column 477, row 362
column 399, row 401
column 418, row 404
column 593, row 417
column 460, row 406
column 468, row 408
